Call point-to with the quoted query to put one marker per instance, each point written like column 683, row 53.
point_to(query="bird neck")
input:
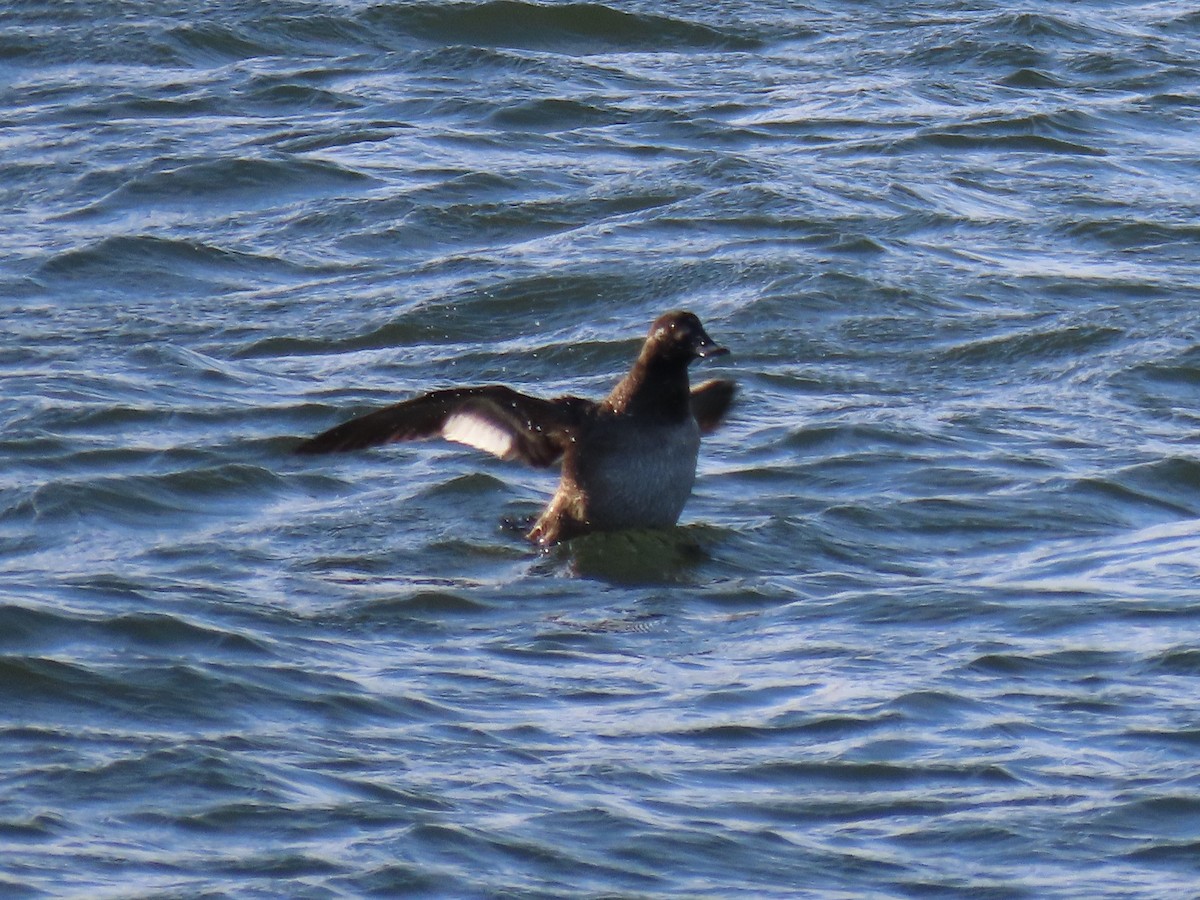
column 653, row 387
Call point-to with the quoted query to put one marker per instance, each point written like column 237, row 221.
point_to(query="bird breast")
column 637, row 475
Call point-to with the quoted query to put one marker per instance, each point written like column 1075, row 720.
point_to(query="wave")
column 232, row 182
column 1034, row 344
column 575, row 27
column 146, row 498
column 163, row 266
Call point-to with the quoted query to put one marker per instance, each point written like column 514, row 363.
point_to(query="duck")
column 627, row 461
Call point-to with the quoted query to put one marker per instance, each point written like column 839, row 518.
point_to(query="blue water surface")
column 929, row 624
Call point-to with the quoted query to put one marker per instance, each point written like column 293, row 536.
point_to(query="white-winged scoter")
column 628, row 461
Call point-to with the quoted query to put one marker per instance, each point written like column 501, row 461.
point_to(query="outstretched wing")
column 494, row 418
column 710, row 403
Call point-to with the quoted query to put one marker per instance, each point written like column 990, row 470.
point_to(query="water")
column 928, row 624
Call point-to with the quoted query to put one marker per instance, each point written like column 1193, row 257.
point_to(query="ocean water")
column 929, row 624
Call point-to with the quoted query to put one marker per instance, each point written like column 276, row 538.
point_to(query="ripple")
column 266, row 32
column 27, row 627
column 133, row 498
column 1178, row 662
column 1035, row 344
column 238, row 182
column 1067, row 661
column 983, row 138
column 1031, row 78
column 434, row 607
column 585, row 27
column 1127, row 235
column 170, row 265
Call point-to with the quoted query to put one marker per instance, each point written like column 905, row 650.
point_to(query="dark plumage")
column 628, row 461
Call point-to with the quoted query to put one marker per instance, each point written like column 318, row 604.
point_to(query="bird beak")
column 706, row 347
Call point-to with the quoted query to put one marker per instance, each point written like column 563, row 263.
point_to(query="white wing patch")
column 479, row 432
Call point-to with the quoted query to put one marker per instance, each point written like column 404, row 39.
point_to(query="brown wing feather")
column 537, row 427
column 710, row 403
